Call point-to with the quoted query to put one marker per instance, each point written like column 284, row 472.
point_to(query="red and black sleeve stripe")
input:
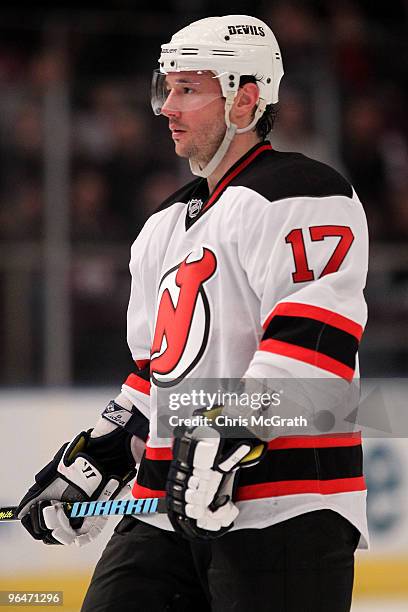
column 313, row 335
column 304, row 470
column 293, row 465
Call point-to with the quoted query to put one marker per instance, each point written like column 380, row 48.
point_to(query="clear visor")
column 188, row 92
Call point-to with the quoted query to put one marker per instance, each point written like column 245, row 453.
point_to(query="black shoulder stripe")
column 281, row 175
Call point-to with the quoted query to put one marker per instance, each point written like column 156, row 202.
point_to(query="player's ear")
column 244, row 105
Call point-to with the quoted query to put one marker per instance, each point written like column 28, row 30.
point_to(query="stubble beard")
column 206, row 143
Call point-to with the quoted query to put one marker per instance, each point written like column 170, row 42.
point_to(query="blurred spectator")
column 27, row 131
column 364, row 161
column 353, row 54
column 100, row 291
column 294, row 130
column 11, row 65
column 399, row 212
column 156, row 190
column 22, row 216
column 93, row 129
column 20, row 172
column 91, row 218
column 112, row 132
column 21, row 148
column 48, row 66
column 376, row 160
column 132, row 160
column 295, row 25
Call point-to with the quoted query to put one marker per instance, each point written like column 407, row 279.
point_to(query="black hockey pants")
column 304, row 564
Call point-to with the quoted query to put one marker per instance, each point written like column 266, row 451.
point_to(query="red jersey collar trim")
column 236, row 169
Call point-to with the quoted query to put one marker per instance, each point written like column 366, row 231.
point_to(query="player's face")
column 195, row 110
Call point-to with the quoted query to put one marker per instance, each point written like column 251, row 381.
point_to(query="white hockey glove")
column 87, row 468
column 201, row 479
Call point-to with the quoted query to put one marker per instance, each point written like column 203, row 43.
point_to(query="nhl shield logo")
column 194, row 207
column 183, row 319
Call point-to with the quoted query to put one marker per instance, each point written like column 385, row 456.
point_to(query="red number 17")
column 318, row 232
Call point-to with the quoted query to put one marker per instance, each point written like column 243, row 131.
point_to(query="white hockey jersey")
column 262, row 278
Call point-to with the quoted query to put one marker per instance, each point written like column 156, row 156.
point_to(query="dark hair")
column 266, row 122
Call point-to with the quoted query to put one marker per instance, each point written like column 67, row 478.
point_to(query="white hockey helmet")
column 230, row 46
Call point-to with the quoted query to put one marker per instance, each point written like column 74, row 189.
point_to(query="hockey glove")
column 85, row 469
column 201, row 479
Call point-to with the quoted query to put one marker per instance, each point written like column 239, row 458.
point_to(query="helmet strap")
column 230, row 132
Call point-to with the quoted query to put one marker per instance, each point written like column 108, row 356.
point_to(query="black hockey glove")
column 87, row 468
column 201, row 478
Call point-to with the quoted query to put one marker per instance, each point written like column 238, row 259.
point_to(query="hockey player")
column 254, row 270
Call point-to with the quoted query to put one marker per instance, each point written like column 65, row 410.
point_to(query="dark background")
column 83, row 162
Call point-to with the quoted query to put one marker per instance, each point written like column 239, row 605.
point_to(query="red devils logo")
column 183, row 319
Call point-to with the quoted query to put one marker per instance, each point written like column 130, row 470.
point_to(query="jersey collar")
column 201, row 194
